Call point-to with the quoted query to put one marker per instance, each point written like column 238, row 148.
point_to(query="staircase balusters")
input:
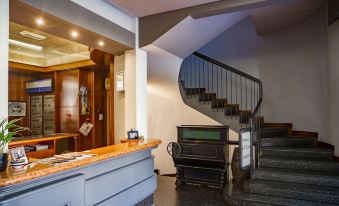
column 237, row 93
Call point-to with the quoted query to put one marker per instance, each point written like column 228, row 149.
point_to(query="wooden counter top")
column 38, row 138
column 11, row 176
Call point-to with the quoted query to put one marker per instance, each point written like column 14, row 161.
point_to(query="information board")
column 246, row 149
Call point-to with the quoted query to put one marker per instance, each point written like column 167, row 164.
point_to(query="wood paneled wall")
column 67, row 101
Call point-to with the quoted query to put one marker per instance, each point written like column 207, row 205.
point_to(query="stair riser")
column 266, row 133
column 297, row 178
column 276, row 192
column 287, row 153
column 190, row 92
column 206, row 98
column 269, row 142
column 300, row 166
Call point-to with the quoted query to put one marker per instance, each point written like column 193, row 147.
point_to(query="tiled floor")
column 185, row 195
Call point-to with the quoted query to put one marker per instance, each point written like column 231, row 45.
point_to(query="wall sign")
column 246, row 148
column 119, row 79
column 49, row 114
column 38, row 86
column 36, row 114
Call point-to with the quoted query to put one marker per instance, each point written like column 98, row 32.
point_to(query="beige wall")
column 333, row 49
column 166, row 110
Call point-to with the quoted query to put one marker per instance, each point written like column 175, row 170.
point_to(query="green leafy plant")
column 8, row 131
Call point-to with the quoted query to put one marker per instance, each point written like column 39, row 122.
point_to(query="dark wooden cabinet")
column 202, row 156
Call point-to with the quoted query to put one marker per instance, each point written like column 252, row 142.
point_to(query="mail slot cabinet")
column 67, row 192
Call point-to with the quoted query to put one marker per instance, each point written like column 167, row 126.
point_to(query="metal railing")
column 238, row 93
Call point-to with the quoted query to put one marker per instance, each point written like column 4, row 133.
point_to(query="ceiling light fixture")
column 26, row 45
column 74, row 34
column 101, row 43
column 32, row 35
column 39, row 21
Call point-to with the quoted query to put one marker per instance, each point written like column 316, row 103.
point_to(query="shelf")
column 41, row 154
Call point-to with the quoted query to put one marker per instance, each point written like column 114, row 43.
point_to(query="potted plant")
column 7, row 131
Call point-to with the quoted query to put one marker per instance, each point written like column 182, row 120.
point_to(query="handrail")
column 254, row 119
column 256, row 109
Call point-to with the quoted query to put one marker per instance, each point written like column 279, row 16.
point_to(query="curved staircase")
column 291, row 167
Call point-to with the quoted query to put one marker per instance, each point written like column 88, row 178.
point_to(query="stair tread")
column 293, row 190
column 300, row 163
column 298, row 149
column 299, row 159
column 298, row 173
column 235, row 196
column 289, row 137
column 296, row 187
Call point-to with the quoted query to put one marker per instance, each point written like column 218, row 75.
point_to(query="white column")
column 141, row 85
column 4, row 32
column 141, row 92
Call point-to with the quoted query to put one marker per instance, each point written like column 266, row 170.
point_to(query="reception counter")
column 120, row 174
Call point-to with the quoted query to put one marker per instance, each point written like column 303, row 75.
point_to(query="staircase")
column 290, row 169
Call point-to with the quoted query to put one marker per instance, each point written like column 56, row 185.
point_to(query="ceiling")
column 55, row 50
column 272, row 18
column 267, row 19
column 142, row 8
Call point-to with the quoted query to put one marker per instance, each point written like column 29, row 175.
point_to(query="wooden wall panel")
column 16, row 90
column 86, row 78
column 68, row 116
column 100, row 106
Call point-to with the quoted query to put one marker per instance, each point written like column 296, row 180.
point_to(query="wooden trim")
column 60, row 67
column 73, row 65
column 324, row 145
column 25, row 67
column 43, row 139
column 111, row 91
column 281, row 125
column 305, row 134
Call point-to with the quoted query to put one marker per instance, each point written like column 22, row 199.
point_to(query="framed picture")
column 17, row 109
column 132, row 135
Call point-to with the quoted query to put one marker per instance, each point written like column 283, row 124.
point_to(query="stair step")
column 287, row 141
column 315, row 193
column 207, row 97
column 233, row 195
column 316, row 153
column 244, row 116
column 297, row 176
column 232, row 109
column 267, row 132
column 219, row 103
column 194, row 91
column 300, row 164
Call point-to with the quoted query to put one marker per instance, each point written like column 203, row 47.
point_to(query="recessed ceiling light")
column 74, row 34
column 39, row 21
column 101, row 43
column 32, row 35
column 26, row 45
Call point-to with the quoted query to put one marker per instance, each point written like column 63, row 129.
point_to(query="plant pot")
column 3, row 162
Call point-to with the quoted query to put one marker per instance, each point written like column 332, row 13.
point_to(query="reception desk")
column 120, row 174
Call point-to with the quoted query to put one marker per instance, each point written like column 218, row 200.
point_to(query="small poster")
column 85, row 128
column 246, row 148
column 17, row 109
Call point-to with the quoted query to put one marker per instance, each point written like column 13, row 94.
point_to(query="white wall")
column 236, row 47
column 292, row 64
column 166, row 110
column 294, row 71
column 333, row 48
